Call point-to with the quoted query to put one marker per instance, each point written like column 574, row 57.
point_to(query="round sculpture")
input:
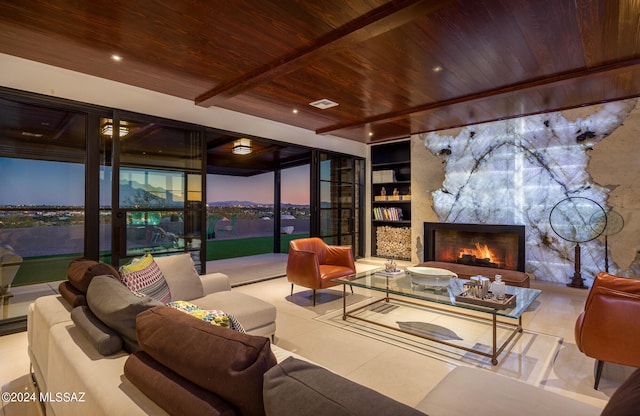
column 578, row 219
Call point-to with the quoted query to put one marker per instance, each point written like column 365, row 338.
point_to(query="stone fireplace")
column 488, row 245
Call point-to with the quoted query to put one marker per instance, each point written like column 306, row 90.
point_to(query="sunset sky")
column 34, row 182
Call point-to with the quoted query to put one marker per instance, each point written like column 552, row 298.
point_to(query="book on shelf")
column 387, row 214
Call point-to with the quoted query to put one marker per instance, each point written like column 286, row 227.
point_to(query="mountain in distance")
column 250, row 204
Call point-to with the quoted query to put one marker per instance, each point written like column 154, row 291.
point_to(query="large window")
column 87, row 181
column 42, row 203
column 239, row 215
column 295, row 209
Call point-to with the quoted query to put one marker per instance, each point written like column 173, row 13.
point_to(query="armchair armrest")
column 606, row 330
column 215, row 282
column 303, row 267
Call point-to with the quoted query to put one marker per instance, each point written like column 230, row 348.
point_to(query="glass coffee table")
column 399, row 288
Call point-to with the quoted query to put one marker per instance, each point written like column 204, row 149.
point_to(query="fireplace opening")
column 487, row 245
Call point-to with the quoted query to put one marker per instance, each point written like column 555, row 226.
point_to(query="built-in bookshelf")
column 391, row 200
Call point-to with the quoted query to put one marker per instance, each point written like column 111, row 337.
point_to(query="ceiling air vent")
column 323, row 104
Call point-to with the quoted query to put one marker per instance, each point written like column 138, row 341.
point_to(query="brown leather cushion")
column 465, row 271
column 225, row 362
column 626, row 400
column 82, row 270
column 72, row 295
column 175, row 394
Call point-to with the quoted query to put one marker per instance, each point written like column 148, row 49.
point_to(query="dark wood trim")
column 609, row 69
column 387, row 17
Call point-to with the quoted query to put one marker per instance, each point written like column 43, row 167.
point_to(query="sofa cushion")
column 144, row 276
column 71, row 294
column 251, row 312
column 315, row 391
column 213, row 316
column 106, row 340
column 625, row 401
column 82, row 270
column 182, row 278
column 228, row 363
column 116, row 306
column 175, row 394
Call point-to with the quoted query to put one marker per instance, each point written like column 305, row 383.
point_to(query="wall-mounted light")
column 107, row 130
column 241, row 146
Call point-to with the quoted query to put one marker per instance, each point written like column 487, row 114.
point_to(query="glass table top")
column 401, row 285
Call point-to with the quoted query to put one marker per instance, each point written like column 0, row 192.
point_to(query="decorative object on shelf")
column 383, row 195
column 393, row 242
column 571, row 220
column 395, row 196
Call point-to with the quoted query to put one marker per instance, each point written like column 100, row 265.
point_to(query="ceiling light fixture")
column 116, row 58
column 107, row 130
column 242, row 147
column 323, row 104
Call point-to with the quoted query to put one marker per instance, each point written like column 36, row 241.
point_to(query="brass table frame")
column 496, row 350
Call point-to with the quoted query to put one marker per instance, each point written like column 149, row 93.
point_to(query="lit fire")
column 480, row 252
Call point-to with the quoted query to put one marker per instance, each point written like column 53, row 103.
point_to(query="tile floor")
column 392, row 370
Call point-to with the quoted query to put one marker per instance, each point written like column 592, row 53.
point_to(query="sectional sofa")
column 183, row 365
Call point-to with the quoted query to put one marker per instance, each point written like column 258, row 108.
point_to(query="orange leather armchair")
column 609, row 327
column 312, row 264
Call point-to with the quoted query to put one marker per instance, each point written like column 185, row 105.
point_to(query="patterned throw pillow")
column 143, row 276
column 215, row 317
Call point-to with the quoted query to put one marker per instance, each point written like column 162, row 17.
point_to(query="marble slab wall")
column 515, row 171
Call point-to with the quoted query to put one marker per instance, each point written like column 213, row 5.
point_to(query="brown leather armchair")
column 609, row 328
column 312, row 264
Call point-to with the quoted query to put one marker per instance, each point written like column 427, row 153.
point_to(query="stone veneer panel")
column 515, row 171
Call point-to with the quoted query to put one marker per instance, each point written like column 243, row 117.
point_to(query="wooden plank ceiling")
column 394, row 67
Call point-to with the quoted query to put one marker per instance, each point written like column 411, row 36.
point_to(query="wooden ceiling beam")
column 382, row 19
column 606, row 70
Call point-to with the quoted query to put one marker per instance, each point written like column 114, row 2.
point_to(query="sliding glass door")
column 157, row 188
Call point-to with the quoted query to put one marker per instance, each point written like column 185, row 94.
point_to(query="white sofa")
column 64, row 360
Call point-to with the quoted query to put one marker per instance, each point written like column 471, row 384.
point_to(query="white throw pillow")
column 181, row 275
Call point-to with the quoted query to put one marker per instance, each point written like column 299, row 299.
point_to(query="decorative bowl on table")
column 430, row 277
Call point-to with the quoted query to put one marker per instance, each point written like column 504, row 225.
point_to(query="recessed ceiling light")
column 370, row 133
column 437, row 68
column 323, row 104
column 295, row 111
column 116, row 58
